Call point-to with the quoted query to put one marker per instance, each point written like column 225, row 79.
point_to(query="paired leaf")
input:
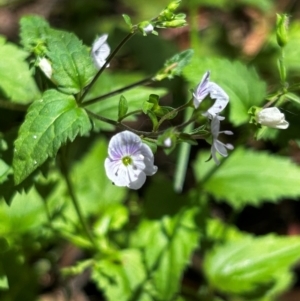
column 251, row 266
column 49, row 123
column 71, row 61
column 16, row 80
column 109, row 107
column 241, row 83
column 249, row 178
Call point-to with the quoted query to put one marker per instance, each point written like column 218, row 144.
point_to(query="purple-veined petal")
column 100, row 51
column 129, row 160
column 202, row 90
column 222, row 99
column 139, row 182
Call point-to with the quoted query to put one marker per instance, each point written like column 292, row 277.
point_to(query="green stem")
column 74, row 198
column 123, row 126
column 130, row 113
column 169, row 114
column 183, row 157
column 144, row 81
column 105, row 64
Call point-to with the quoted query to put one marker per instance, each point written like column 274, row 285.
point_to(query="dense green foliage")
column 141, row 245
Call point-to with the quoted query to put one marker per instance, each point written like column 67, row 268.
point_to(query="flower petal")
column 202, row 90
column 222, row 99
column 100, row 51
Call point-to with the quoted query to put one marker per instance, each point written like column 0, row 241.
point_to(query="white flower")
column 218, row 146
column 46, row 67
column 148, row 28
column 215, row 92
column 129, row 160
column 168, row 142
column 100, row 51
column 272, row 118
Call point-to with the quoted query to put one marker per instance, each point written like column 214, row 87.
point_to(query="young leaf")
column 249, row 178
column 109, row 107
column 250, row 266
column 49, row 123
column 237, row 80
column 121, row 278
column 175, row 65
column 34, row 33
column 15, row 78
column 72, row 63
column 123, row 107
column 127, row 20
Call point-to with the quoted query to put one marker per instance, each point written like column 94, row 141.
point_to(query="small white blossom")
column 46, row 67
column 168, row 142
column 100, row 51
column 129, row 160
column 215, row 92
column 148, row 29
column 218, row 146
column 273, row 118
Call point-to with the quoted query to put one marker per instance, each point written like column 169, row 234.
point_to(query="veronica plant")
column 138, row 243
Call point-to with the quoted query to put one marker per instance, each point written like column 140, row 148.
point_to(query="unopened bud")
column 146, row 28
column 173, row 5
column 282, row 29
column 46, row 67
column 173, row 23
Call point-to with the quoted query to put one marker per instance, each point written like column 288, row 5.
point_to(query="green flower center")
column 126, row 161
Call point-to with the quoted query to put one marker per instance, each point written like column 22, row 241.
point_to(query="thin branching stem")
column 74, row 199
column 110, row 57
column 144, row 81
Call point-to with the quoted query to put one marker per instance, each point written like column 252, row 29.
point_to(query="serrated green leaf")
column 34, row 33
column 167, row 246
column 5, row 171
column 49, row 123
column 251, row 266
column 16, row 81
column 27, row 212
column 71, row 61
column 123, row 107
column 121, row 277
column 241, row 83
column 249, row 178
column 174, row 65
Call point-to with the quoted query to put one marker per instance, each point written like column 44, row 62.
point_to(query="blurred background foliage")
column 241, row 29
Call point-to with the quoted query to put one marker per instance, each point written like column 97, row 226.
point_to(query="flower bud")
column 146, row 28
column 173, row 5
column 173, row 23
column 272, row 118
column 282, row 29
column 46, row 67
